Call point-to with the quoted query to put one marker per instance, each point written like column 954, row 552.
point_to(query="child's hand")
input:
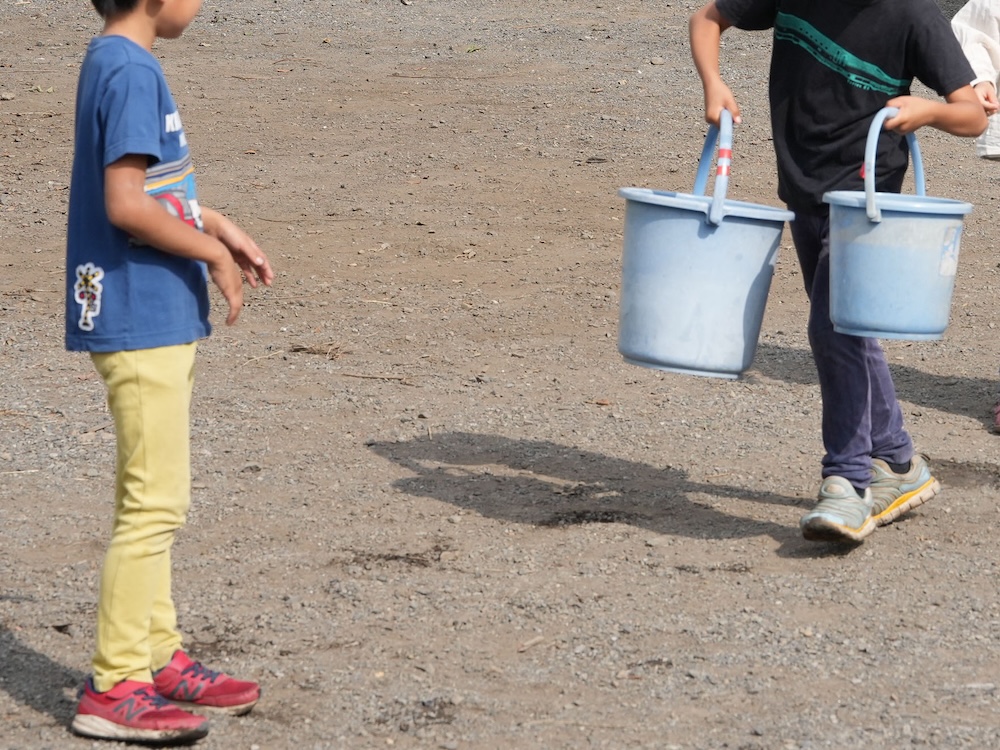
column 914, row 112
column 226, row 276
column 250, row 258
column 718, row 96
column 987, row 94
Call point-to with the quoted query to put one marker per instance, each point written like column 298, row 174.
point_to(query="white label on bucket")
column 949, row 252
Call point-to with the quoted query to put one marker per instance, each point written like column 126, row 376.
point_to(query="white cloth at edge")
column 977, row 26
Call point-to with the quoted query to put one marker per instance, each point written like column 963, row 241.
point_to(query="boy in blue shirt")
column 834, row 65
column 138, row 249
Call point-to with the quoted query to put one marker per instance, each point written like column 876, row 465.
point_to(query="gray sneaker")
column 894, row 494
column 841, row 515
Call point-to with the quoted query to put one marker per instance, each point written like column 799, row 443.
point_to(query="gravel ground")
column 433, row 507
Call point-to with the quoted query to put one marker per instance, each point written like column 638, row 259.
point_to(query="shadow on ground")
column 547, row 484
column 34, row 680
column 966, row 397
column 967, row 475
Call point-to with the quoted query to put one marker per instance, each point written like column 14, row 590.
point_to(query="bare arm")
column 960, row 114
column 705, row 28
column 130, row 209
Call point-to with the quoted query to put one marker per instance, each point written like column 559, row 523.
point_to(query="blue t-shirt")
column 122, row 295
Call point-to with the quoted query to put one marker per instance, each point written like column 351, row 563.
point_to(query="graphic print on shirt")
column 87, row 292
column 859, row 73
column 172, row 124
column 172, row 184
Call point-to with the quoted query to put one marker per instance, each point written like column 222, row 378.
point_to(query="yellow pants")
column 149, row 394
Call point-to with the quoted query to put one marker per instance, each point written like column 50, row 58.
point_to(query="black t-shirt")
column 835, row 63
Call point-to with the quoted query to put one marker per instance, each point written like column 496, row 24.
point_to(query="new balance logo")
column 130, row 708
column 186, row 692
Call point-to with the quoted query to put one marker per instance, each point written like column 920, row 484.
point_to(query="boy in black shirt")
column 834, row 65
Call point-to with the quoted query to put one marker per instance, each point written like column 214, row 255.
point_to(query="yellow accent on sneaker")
column 895, row 494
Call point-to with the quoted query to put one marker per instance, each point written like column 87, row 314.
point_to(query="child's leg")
column 890, row 440
column 149, row 394
column 859, row 402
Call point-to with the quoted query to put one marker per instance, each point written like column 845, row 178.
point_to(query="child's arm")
column 244, row 250
column 705, row 28
column 133, row 211
column 960, row 114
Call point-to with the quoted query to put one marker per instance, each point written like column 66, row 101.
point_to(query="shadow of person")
column 964, row 396
column 542, row 483
column 34, row 680
column 967, row 475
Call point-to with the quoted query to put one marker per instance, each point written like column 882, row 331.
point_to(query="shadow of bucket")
column 696, row 271
column 893, row 258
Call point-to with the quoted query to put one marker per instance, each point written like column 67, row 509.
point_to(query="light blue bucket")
column 893, row 258
column 696, row 271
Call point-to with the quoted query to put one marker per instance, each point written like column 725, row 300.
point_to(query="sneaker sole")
column 821, row 530
column 88, row 725
column 238, row 710
column 908, row 502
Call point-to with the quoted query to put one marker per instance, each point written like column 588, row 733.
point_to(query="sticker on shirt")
column 87, row 293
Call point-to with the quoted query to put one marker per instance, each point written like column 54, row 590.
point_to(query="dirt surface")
column 433, row 507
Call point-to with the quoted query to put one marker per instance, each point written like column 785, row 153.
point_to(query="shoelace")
column 153, row 698
column 200, row 671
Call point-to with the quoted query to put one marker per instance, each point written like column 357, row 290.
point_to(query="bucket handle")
column 871, row 146
column 723, row 133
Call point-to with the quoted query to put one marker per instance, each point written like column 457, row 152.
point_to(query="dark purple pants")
column 861, row 416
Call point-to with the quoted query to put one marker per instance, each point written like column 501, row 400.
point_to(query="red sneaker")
column 132, row 711
column 188, row 683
